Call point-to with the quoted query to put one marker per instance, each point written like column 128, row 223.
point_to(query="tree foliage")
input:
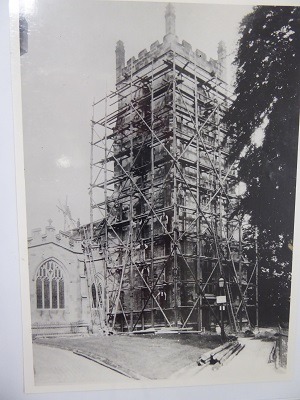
column 274, row 276
column 267, row 97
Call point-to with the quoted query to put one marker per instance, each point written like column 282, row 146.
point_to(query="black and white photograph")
column 160, row 149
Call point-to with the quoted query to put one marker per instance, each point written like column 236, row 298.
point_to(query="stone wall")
column 74, row 317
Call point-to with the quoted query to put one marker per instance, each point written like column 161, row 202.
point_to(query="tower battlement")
column 169, row 43
column 50, row 235
column 184, row 48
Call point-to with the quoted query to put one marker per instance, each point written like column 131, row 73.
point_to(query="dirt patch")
column 151, row 356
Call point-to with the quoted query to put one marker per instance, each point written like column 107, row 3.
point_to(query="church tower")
column 164, row 193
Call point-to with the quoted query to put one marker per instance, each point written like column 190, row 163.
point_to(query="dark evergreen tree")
column 267, row 97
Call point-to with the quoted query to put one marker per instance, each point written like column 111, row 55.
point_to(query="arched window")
column 96, row 296
column 50, row 290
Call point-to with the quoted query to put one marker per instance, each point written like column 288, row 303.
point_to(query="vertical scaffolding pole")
column 175, row 222
column 131, row 323
column 105, row 294
column 198, row 224
column 152, row 199
column 221, row 257
column 220, row 244
column 256, row 280
column 91, row 175
column 240, row 273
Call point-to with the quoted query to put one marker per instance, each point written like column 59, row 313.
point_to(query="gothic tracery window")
column 96, row 295
column 50, row 289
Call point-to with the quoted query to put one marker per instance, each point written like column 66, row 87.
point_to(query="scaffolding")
column 162, row 230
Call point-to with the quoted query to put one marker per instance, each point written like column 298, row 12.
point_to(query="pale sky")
column 70, row 61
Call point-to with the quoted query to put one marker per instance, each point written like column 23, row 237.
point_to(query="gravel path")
column 250, row 365
column 54, row 366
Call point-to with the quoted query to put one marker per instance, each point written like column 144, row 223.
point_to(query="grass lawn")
column 152, row 356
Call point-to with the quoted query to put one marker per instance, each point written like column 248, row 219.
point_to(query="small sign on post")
column 221, row 299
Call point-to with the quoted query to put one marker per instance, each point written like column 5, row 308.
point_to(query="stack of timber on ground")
column 221, row 354
column 166, row 330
